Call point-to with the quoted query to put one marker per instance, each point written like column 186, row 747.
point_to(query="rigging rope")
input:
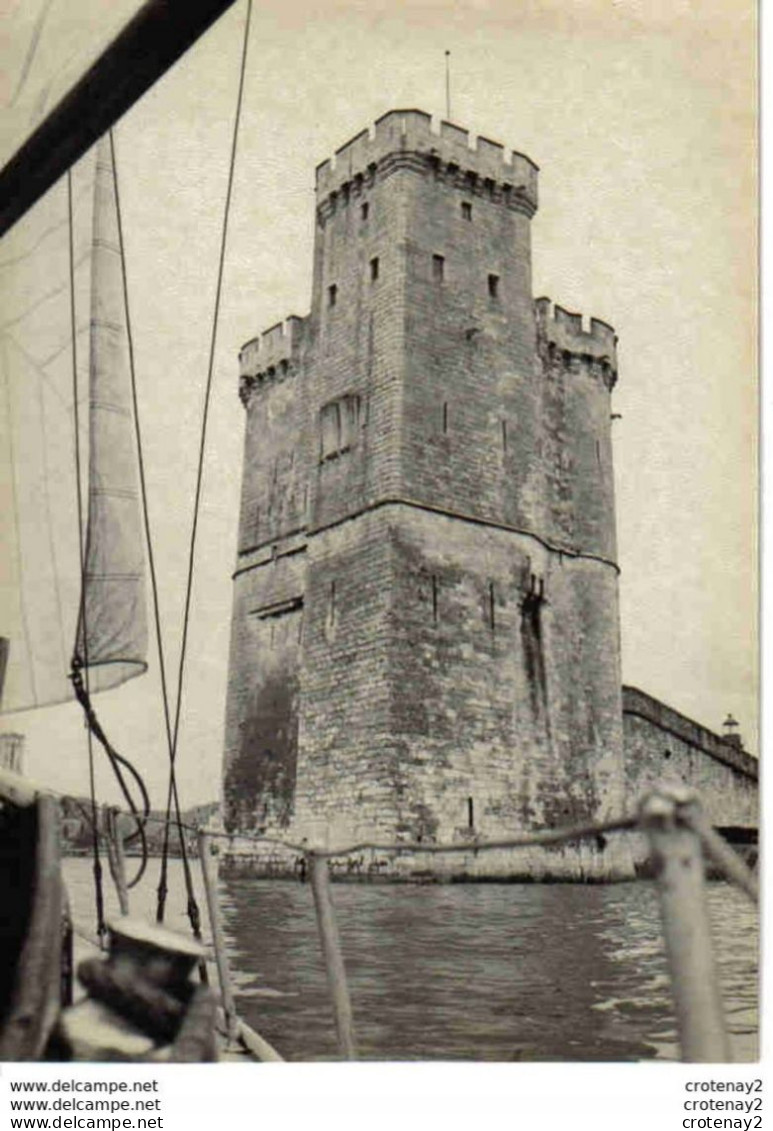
column 172, row 791
column 97, row 866
column 193, row 909
column 116, row 761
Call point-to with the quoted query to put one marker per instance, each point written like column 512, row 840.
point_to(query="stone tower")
column 425, row 639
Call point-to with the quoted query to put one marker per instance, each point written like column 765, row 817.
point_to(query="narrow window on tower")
column 330, row 430
column 445, row 416
column 330, row 619
column 332, row 294
column 493, row 286
column 438, row 268
column 492, row 602
column 466, row 210
column 504, row 435
column 364, row 210
column 598, row 453
column 434, row 598
column 470, row 814
column 373, row 270
column 349, row 419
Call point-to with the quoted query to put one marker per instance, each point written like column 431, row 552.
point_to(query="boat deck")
column 248, row 1047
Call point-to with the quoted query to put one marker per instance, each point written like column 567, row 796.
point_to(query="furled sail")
column 112, row 626
column 42, row 606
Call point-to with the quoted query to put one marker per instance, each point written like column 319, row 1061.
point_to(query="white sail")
column 40, row 583
column 112, row 628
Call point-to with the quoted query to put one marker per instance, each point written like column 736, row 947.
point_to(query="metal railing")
column 680, row 839
column 678, row 835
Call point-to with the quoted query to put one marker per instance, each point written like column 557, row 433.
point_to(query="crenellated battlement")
column 562, row 331
column 270, row 356
column 448, row 149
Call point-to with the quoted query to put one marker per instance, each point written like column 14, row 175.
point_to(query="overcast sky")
column 641, row 118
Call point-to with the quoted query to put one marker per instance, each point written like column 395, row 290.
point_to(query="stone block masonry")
column 425, row 639
column 663, row 745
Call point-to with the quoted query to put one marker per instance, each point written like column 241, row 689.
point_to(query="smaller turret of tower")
column 579, row 371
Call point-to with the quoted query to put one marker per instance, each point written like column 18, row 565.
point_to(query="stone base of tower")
column 589, row 862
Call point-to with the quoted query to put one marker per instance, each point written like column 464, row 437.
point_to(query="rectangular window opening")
column 470, row 814
column 438, row 268
column 466, row 210
column 340, row 422
column 332, row 294
column 364, row 210
column 493, row 286
column 330, row 430
column 434, row 598
column 504, row 435
column 349, row 417
column 445, row 416
column 492, row 606
column 374, row 269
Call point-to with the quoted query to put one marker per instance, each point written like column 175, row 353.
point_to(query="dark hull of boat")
column 35, row 974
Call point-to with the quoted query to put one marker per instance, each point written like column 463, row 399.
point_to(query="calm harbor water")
column 470, row 971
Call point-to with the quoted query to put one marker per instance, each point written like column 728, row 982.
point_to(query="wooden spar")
column 148, row 45
column 218, row 939
column 331, row 950
column 678, row 865
column 111, row 863
column 116, row 859
column 120, row 857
